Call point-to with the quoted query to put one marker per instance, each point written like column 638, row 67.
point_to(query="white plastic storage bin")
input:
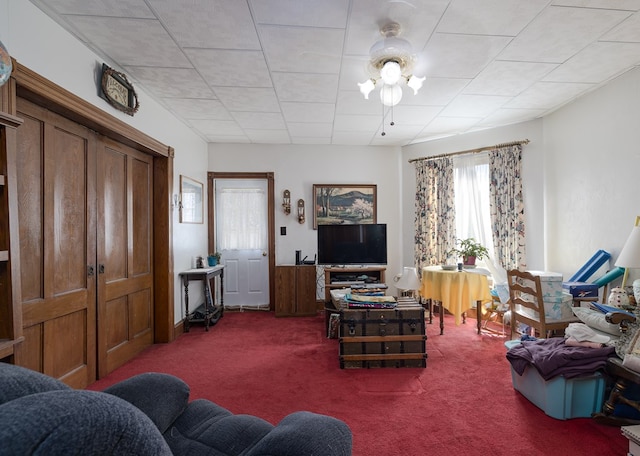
column 559, row 397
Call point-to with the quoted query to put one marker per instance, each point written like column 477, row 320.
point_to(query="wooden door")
column 125, row 253
column 56, row 215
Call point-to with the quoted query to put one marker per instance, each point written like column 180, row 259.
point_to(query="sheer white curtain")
column 471, row 187
column 240, row 214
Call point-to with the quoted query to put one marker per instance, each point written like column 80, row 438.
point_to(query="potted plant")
column 470, row 251
column 213, row 259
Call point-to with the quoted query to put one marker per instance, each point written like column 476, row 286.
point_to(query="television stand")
column 334, row 277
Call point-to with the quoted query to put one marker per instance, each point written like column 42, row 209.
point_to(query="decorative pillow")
column 595, row 320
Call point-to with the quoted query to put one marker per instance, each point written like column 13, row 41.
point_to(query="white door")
column 241, row 234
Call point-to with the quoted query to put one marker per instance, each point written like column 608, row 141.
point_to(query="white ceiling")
column 286, row 71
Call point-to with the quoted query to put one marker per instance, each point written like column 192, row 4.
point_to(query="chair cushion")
column 161, row 397
column 77, row 423
column 16, row 381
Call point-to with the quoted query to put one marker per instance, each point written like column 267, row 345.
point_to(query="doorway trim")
column 269, row 176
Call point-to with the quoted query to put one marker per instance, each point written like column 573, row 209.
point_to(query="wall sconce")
column 286, row 202
column 301, row 211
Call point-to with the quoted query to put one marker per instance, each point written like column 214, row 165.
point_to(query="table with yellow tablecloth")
column 456, row 291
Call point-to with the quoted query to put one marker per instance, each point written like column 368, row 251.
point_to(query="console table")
column 456, row 291
column 212, row 312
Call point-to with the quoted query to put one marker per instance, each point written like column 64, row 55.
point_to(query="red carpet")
column 462, row 403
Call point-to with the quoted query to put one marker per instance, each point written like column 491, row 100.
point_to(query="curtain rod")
column 472, row 151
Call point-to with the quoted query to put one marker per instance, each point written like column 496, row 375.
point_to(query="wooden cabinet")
column 295, row 290
column 10, row 311
column 344, row 277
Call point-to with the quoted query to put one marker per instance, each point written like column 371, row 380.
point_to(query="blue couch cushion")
column 18, row 381
column 72, row 422
column 161, row 397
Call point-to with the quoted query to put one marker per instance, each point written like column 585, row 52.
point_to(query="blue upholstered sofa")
column 149, row 414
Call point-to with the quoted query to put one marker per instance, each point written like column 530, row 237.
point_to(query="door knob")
column 90, row 271
column 264, row 253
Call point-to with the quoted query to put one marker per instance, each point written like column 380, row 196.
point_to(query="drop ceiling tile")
column 460, row 56
column 627, row 31
column 354, row 69
column 171, row 82
column 352, row 102
column 356, row 123
column 307, row 112
column 489, row 17
column 306, row 87
column 417, row 19
column 260, row 120
column 599, row 62
column 509, row 116
column 302, row 49
column 193, row 108
column 404, row 115
column 473, row 105
column 269, row 136
column 231, row 67
column 447, row 125
column 351, row 138
column 217, row 127
column 228, row 139
column 248, row 99
column 311, row 13
column 507, row 78
column 317, row 129
column 140, row 42
column 113, row 8
column 547, row 95
column 436, row 92
column 558, row 33
column 630, row 5
column 223, row 24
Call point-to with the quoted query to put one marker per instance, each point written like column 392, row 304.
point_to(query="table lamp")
column 629, row 257
column 408, row 282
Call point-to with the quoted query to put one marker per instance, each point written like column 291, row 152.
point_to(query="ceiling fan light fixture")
column 415, row 83
column 390, row 95
column 391, row 72
column 367, row 87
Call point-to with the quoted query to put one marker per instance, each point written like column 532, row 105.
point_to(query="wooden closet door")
column 125, row 274
column 56, row 175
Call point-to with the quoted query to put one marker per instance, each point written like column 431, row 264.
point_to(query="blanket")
column 552, row 357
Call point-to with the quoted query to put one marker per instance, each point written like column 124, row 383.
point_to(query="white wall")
column 38, row 43
column 592, row 150
column 297, row 168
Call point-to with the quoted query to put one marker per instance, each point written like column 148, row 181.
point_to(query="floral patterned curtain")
column 507, row 206
column 435, row 211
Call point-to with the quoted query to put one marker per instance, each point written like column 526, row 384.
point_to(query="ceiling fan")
column 391, row 63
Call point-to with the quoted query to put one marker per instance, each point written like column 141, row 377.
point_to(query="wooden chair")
column 527, row 305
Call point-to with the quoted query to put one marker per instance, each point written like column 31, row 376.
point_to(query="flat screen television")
column 352, row 244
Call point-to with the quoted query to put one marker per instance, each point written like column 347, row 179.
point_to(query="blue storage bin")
column 559, row 397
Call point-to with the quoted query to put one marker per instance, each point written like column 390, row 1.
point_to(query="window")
column 240, row 219
column 471, row 186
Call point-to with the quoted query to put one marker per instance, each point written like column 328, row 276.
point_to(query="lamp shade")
column 390, row 95
column 630, row 254
column 408, row 280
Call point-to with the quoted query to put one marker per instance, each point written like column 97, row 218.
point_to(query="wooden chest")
column 383, row 337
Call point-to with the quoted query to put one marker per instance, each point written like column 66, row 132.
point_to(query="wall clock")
column 118, row 91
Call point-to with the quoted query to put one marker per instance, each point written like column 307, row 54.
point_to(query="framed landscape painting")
column 343, row 204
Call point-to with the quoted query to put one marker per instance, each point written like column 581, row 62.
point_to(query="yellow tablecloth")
column 457, row 291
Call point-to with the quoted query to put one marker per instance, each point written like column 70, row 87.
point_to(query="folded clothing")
column 552, row 357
